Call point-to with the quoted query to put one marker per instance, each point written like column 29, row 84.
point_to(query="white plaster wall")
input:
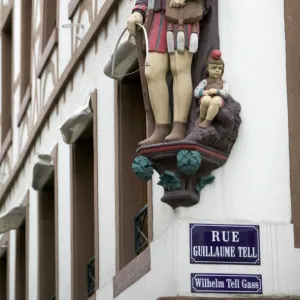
column 83, row 19
column 99, row 4
column 12, row 265
column 64, row 219
column 280, row 263
column 106, row 183
column 163, row 215
column 37, row 9
column 47, row 81
column 16, row 39
column 5, row 2
column 36, row 49
column 33, row 250
column 106, row 155
column 16, row 97
column 160, row 281
column 15, row 129
column 1, row 80
column 254, row 184
column 64, row 37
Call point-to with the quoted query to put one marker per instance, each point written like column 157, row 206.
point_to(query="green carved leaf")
column 142, row 167
column 203, row 181
column 188, row 161
column 169, row 181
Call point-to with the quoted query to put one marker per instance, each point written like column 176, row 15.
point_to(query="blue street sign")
column 224, row 244
column 226, row 283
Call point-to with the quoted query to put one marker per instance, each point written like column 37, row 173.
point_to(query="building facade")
column 90, row 228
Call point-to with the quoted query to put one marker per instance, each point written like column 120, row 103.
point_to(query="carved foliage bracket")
column 184, row 168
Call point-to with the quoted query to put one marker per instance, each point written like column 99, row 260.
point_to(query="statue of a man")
column 171, row 46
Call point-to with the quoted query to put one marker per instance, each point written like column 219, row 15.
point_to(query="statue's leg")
column 182, row 91
column 159, row 96
column 213, row 109
column 204, row 104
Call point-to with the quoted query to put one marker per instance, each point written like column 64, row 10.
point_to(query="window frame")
column 141, row 264
column 7, row 21
column 54, row 155
column 26, row 221
column 94, row 107
column 5, row 241
column 47, row 47
column 26, row 57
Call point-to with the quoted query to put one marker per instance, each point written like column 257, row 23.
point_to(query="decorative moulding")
column 184, row 167
column 6, row 13
column 5, row 146
column 77, row 122
column 42, row 171
column 12, row 219
column 4, row 242
column 51, row 44
column 24, row 105
column 73, row 5
column 101, row 19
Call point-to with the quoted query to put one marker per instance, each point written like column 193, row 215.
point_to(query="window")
column 132, row 193
column 133, row 196
column 26, row 19
column 49, row 35
column 47, row 267
column 21, row 263
column 7, row 41
column 85, row 258
column 50, row 20
column 3, row 275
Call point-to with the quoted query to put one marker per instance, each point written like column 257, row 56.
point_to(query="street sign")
column 224, row 244
column 226, row 283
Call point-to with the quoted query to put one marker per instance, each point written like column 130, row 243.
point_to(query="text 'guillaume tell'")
column 230, row 237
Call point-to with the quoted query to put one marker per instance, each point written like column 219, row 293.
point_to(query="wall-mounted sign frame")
column 226, row 283
column 224, row 244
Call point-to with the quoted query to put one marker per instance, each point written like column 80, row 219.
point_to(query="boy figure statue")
column 212, row 91
column 171, row 45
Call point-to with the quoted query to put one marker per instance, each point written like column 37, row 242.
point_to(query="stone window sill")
column 93, row 297
column 132, row 272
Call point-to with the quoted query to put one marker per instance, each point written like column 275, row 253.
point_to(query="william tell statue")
column 173, row 31
column 196, row 119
